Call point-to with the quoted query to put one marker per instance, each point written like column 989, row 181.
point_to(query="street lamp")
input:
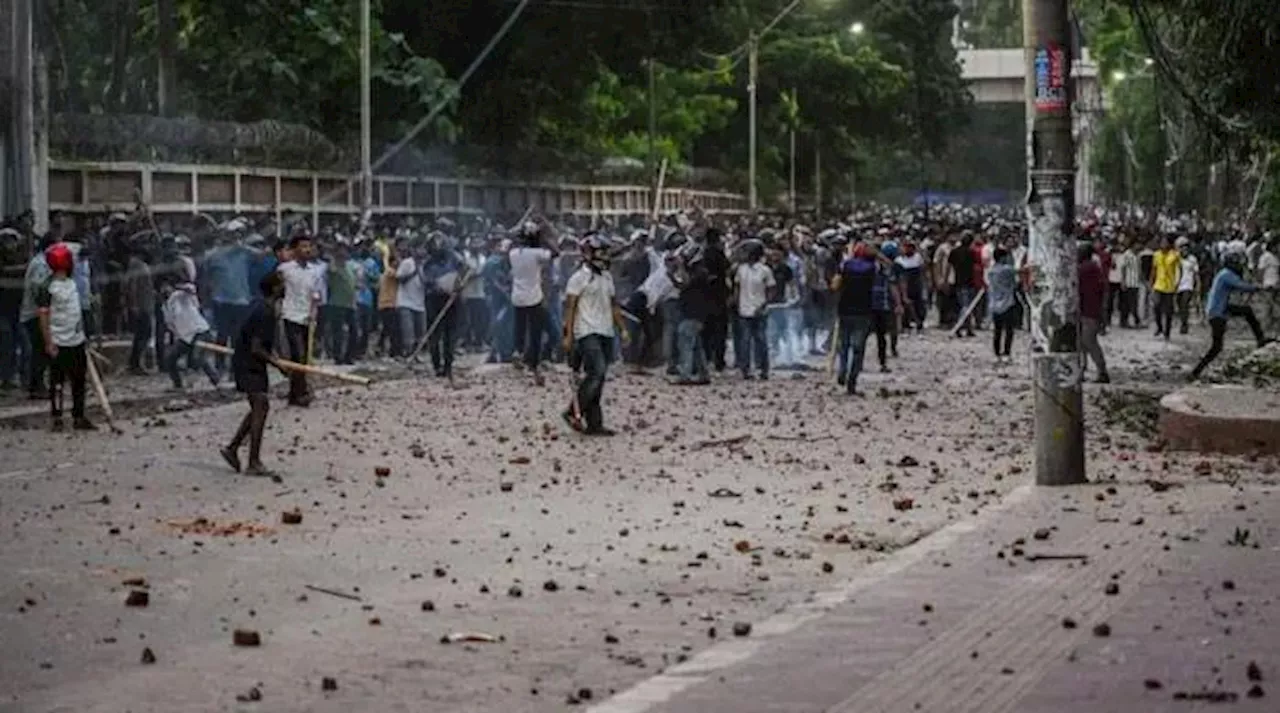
column 857, row 28
column 1119, row 75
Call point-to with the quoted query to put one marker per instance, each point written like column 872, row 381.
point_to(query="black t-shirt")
column 260, row 325
column 695, row 296
column 857, row 280
column 962, row 263
column 782, row 276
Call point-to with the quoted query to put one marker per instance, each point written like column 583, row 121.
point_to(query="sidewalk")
column 966, row 621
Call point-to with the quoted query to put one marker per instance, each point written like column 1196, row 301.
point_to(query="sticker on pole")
column 1051, row 78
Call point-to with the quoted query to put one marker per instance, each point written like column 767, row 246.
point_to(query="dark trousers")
column 529, row 332
column 715, row 337
column 1218, row 329
column 1129, row 307
column 752, row 345
column 39, row 361
column 140, row 325
column 69, row 365
column 1115, row 302
column 295, row 336
column 15, row 349
column 162, row 334
column 1005, row 323
column 390, row 338
column 227, row 320
column 854, row 330
column 475, row 333
column 1184, row 311
column 444, row 338
column 196, row 359
column 366, row 319
column 592, row 354
column 637, row 351
column 882, row 323
column 1164, row 312
column 341, row 332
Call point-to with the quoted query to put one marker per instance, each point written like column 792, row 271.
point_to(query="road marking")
column 665, row 686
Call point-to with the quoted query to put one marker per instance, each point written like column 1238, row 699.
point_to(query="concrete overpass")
column 998, row 76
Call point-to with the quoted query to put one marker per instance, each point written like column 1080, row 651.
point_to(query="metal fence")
column 80, row 188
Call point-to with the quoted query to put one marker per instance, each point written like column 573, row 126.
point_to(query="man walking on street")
column 592, row 318
column 1092, row 282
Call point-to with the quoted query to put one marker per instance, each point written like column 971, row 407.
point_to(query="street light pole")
column 753, row 62
column 366, row 117
column 1054, row 293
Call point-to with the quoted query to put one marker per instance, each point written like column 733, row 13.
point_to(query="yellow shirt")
column 1166, row 265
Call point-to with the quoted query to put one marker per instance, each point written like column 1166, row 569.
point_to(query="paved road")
column 598, row 564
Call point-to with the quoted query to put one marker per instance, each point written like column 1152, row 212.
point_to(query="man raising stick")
column 592, row 318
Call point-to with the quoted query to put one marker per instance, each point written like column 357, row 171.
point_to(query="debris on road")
column 334, row 593
column 469, row 637
column 246, row 637
column 205, row 526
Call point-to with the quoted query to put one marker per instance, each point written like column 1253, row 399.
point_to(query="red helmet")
column 59, row 258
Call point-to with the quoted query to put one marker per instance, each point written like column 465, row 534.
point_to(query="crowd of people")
column 693, row 294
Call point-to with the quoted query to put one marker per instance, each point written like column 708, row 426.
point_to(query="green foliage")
column 294, row 61
column 916, row 35
column 571, row 78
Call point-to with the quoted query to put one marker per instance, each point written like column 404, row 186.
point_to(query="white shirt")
column 1190, row 268
column 474, row 289
column 411, row 294
column 1269, row 266
column 66, row 321
column 301, row 286
column 657, row 287
column 182, row 315
column 594, row 311
column 754, row 282
column 526, row 275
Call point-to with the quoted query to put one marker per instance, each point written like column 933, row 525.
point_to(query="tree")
column 916, row 35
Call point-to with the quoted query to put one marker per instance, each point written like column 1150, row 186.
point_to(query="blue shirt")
column 438, row 267
column 263, row 266
column 881, row 297
column 369, row 288
column 229, row 275
column 81, row 276
column 1224, row 284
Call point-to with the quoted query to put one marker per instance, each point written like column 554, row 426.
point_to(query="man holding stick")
column 253, row 353
column 301, row 282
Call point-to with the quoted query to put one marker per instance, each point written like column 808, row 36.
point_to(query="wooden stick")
column 657, row 193
column 333, row 593
column 964, row 316
column 835, row 347
column 435, row 324
column 294, row 366
column 736, row 440
column 102, row 394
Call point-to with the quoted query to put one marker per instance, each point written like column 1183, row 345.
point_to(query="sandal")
column 231, row 457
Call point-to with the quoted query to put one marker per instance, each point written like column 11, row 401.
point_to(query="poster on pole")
column 1051, row 78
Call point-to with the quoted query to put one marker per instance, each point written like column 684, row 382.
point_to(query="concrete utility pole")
column 366, row 117
column 753, row 62
column 1054, row 294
